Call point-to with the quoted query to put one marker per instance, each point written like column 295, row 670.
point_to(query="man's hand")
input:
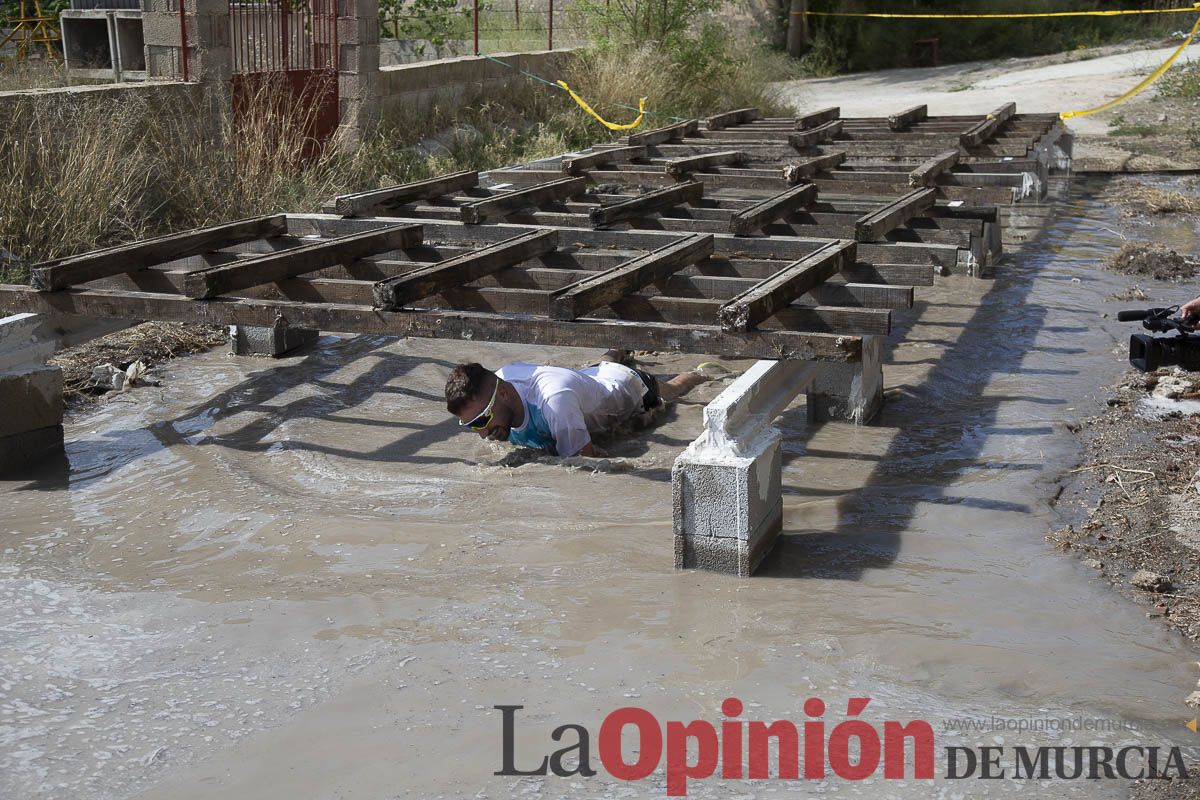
column 1191, row 311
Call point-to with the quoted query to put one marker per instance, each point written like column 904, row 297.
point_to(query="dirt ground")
column 1138, row 498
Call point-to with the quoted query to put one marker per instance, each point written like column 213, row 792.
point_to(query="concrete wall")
column 415, row 88
column 109, row 92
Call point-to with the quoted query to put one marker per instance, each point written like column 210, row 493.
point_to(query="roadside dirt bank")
column 1083, row 79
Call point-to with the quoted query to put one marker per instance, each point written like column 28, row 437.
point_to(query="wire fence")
column 414, row 31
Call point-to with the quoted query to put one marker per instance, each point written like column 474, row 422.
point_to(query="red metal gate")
column 285, row 67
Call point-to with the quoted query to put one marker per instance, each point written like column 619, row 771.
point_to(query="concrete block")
column 730, row 556
column 362, row 59
column 248, row 340
column 31, row 400
column 849, row 392
column 160, row 30
column 20, row 347
column 358, row 31
column 727, row 510
column 22, row 451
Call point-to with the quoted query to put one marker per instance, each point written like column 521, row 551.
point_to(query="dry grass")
column 151, row 343
column 1138, row 198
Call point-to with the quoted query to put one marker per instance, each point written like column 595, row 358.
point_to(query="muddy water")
column 298, row 579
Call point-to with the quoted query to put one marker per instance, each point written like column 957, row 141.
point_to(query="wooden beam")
column 927, row 174
column 822, row 133
column 664, row 134
column 904, row 119
column 54, row 275
column 396, row 292
column 431, row 324
column 604, row 287
column 752, row 219
column 553, row 191
column 814, row 118
column 799, row 170
column 657, row 200
column 874, row 226
column 579, row 164
column 213, row 281
column 758, row 303
column 980, row 132
column 739, row 117
column 685, row 166
column 365, row 203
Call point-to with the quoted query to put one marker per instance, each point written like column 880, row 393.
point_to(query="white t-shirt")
column 562, row 406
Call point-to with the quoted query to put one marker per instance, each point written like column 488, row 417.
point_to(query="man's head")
column 481, row 401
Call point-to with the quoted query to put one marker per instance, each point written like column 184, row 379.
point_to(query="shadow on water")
column 947, row 415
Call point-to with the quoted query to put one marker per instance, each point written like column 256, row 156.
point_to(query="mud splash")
column 308, row 554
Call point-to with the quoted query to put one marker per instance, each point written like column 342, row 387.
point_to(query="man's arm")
column 1190, row 311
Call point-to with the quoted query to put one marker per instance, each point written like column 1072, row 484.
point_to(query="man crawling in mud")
column 557, row 409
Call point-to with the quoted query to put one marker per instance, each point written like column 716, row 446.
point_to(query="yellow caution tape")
column 612, row 126
column 1158, row 73
column 1119, row 13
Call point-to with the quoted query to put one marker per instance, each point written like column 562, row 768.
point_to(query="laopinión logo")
column 735, row 749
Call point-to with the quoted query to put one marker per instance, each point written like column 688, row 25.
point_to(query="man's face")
column 498, row 427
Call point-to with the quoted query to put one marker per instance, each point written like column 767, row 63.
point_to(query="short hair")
column 465, row 382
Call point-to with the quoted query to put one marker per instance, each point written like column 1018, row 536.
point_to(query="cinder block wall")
column 416, row 88
column 77, row 96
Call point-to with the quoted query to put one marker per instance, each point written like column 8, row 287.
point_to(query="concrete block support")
column 31, row 396
column 849, row 392
column 727, row 502
column 276, row 341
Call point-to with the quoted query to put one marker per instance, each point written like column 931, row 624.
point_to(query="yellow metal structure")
column 32, row 30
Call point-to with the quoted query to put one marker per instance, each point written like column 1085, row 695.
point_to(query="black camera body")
column 1148, row 353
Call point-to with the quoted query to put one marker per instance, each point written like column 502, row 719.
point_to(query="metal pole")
column 550, row 28
column 476, row 15
column 517, row 7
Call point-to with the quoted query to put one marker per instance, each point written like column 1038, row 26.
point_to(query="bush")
column 1181, row 82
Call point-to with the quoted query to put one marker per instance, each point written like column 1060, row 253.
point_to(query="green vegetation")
column 849, row 44
column 1181, row 82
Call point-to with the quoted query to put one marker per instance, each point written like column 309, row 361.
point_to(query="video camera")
column 1148, row 353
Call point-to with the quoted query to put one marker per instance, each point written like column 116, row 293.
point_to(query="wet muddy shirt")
column 563, row 406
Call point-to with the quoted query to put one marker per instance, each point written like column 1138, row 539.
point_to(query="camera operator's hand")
column 1190, row 312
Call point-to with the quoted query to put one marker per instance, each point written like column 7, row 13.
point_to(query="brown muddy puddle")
column 298, row 579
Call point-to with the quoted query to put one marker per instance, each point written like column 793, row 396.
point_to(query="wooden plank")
column 205, row 283
column 927, row 174
column 429, row 324
column 396, row 292
column 476, row 212
column 798, row 170
column 684, row 166
column 603, row 288
column 814, row 118
column 54, row 275
column 904, row 119
column 664, row 134
column 752, row 219
column 761, row 301
column 874, row 226
column 980, row 132
column 579, row 164
column 657, row 200
column 822, row 133
column 366, row 203
column 684, row 311
column 739, row 117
